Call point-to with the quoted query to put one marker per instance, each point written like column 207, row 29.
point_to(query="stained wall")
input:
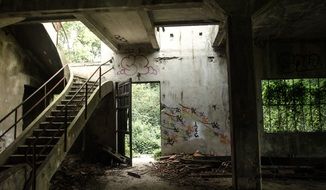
column 286, row 59
column 13, row 77
column 194, row 90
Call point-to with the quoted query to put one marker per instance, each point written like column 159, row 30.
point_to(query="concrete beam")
column 186, row 23
column 215, row 9
column 101, row 32
column 264, row 12
column 243, row 106
column 149, row 27
column 40, row 8
column 220, row 39
column 9, row 21
column 241, row 7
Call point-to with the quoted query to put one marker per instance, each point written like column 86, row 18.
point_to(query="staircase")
column 48, row 133
column 33, row 157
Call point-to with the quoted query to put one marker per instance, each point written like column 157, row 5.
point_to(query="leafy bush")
column 78, row 43
column 157, row 153
column 146, row 118
column 294, row 105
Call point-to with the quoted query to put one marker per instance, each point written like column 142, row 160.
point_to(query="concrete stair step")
column 21, row 158
column 63, row 112
column 59, row 118
column 80, row 83
column 52, row 125
column 43, row 140
column 6, row 166
column 81, row 92
column 71, row 103
column 22, row 149
column 49, row 132
column 77, row 96
column 69, row 106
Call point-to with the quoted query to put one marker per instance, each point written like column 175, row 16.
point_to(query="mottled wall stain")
column 184, row 123
column 193, row 89
column 12, row 80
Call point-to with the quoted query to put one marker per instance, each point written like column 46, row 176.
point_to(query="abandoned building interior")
column 241, row 94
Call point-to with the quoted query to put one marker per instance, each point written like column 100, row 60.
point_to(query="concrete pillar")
column 244, row 127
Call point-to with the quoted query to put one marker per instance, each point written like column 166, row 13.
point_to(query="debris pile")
column 75, row 174
column 195, row 165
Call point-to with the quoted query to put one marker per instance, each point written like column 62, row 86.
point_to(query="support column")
column 242, row 95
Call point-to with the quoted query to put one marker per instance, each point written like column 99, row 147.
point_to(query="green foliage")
column 294, row 105
column 157, row 153
column 146, row 118
column 78, row 43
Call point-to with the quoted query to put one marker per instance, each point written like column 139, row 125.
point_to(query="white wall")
column 194, row 90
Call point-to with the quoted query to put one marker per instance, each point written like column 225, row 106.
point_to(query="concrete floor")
column 118, row 179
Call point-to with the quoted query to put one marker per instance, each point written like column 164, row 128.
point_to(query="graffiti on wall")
column 183, row 123
column 131, row 65
column 296, row 62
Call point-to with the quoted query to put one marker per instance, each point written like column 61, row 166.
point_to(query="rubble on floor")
column 169, row 173
column 174, row 172
column 196, row 165
column 196, row 169
column 74, row 173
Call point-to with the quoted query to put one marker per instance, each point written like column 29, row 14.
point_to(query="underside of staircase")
column 35, row 157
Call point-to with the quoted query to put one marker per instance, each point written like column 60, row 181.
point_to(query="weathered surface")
column 194, row 90
column 244, row 126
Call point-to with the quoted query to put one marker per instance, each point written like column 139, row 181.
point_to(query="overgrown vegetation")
column 146, row 118
column 78, row 43
column 294, row 105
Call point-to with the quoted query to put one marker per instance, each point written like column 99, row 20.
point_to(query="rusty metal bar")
column 86, row 101
column 34, row 169
column 45, row 96
column 100, row 81
column 65, row 128
column 15, row 129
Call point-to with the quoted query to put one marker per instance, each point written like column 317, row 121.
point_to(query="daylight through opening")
column 146, row 137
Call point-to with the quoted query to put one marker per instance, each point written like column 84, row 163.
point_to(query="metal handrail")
column 65, row 125
column 46, row 93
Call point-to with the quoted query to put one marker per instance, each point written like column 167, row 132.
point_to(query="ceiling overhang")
column 121, row 24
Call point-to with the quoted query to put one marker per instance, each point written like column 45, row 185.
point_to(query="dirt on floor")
column 175, row 172
column 146, row 173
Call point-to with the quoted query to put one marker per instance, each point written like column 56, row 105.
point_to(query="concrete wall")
column 194, row 90
column 24, row 61
column 286, row 59
column 13, row 77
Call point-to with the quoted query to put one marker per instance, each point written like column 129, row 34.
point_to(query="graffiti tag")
column 292, row 62
column 135, row 65
column 183, row 122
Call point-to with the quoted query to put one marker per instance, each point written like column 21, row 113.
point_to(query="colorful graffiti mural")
column 135, row 64
column 183, row 123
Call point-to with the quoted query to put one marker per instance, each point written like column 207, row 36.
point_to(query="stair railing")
column 45, row 90
column 77, row 105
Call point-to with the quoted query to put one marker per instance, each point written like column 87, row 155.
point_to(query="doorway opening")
column 146, row 116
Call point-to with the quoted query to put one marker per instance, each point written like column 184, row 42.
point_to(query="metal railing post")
column 34, row 169
column 86, row 101
column 100, row 81
column 45, row 96
column 15, row 129
column 65, row 128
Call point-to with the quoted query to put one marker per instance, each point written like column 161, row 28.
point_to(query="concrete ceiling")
column 288, row 19
column 130, row 24
column 132, row 29
column 122, row 24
